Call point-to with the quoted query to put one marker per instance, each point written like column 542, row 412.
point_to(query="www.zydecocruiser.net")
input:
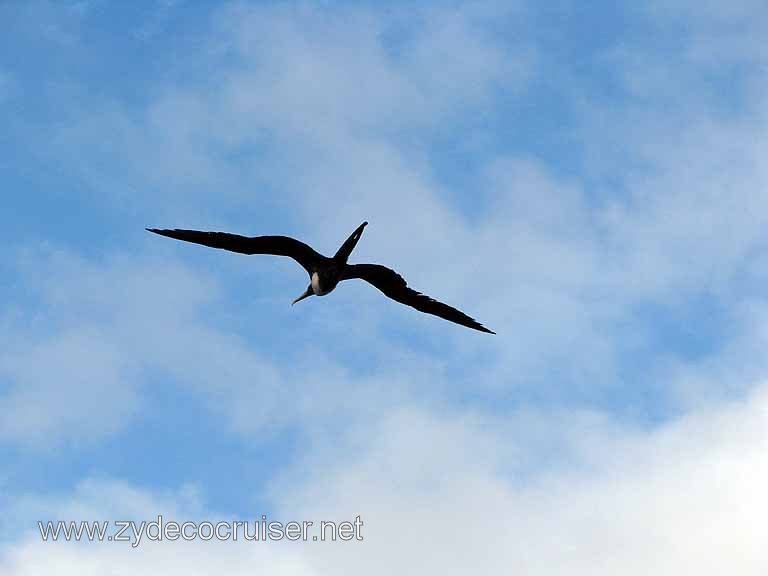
column 160, row 530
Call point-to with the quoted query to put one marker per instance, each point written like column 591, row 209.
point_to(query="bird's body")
column 325, row 273
column 325, row 284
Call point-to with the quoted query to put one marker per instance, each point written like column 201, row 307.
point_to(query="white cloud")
column 446, row 494
column 80, row 357
column 72, row 361
column 300, row 76
column 71, row 385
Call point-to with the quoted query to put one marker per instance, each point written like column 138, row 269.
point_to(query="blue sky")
column 588, row 181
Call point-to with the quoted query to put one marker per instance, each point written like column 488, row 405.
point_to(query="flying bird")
column 325, row 273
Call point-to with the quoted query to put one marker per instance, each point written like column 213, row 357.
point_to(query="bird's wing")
column 394, row 286
column 276, row 245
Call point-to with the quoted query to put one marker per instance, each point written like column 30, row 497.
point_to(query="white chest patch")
column 316, row 285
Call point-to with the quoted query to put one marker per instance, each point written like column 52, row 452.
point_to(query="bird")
column 326, row 273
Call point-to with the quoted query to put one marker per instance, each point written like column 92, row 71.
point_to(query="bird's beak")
column 305, row 295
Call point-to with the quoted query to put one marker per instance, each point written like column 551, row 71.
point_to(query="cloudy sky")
column 588, row 180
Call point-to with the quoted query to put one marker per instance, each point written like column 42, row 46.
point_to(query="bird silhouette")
column 325, row 273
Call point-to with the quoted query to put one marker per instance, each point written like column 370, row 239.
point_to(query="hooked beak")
column 305, row 295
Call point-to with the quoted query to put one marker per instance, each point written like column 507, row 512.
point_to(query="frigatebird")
column 325, row 273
